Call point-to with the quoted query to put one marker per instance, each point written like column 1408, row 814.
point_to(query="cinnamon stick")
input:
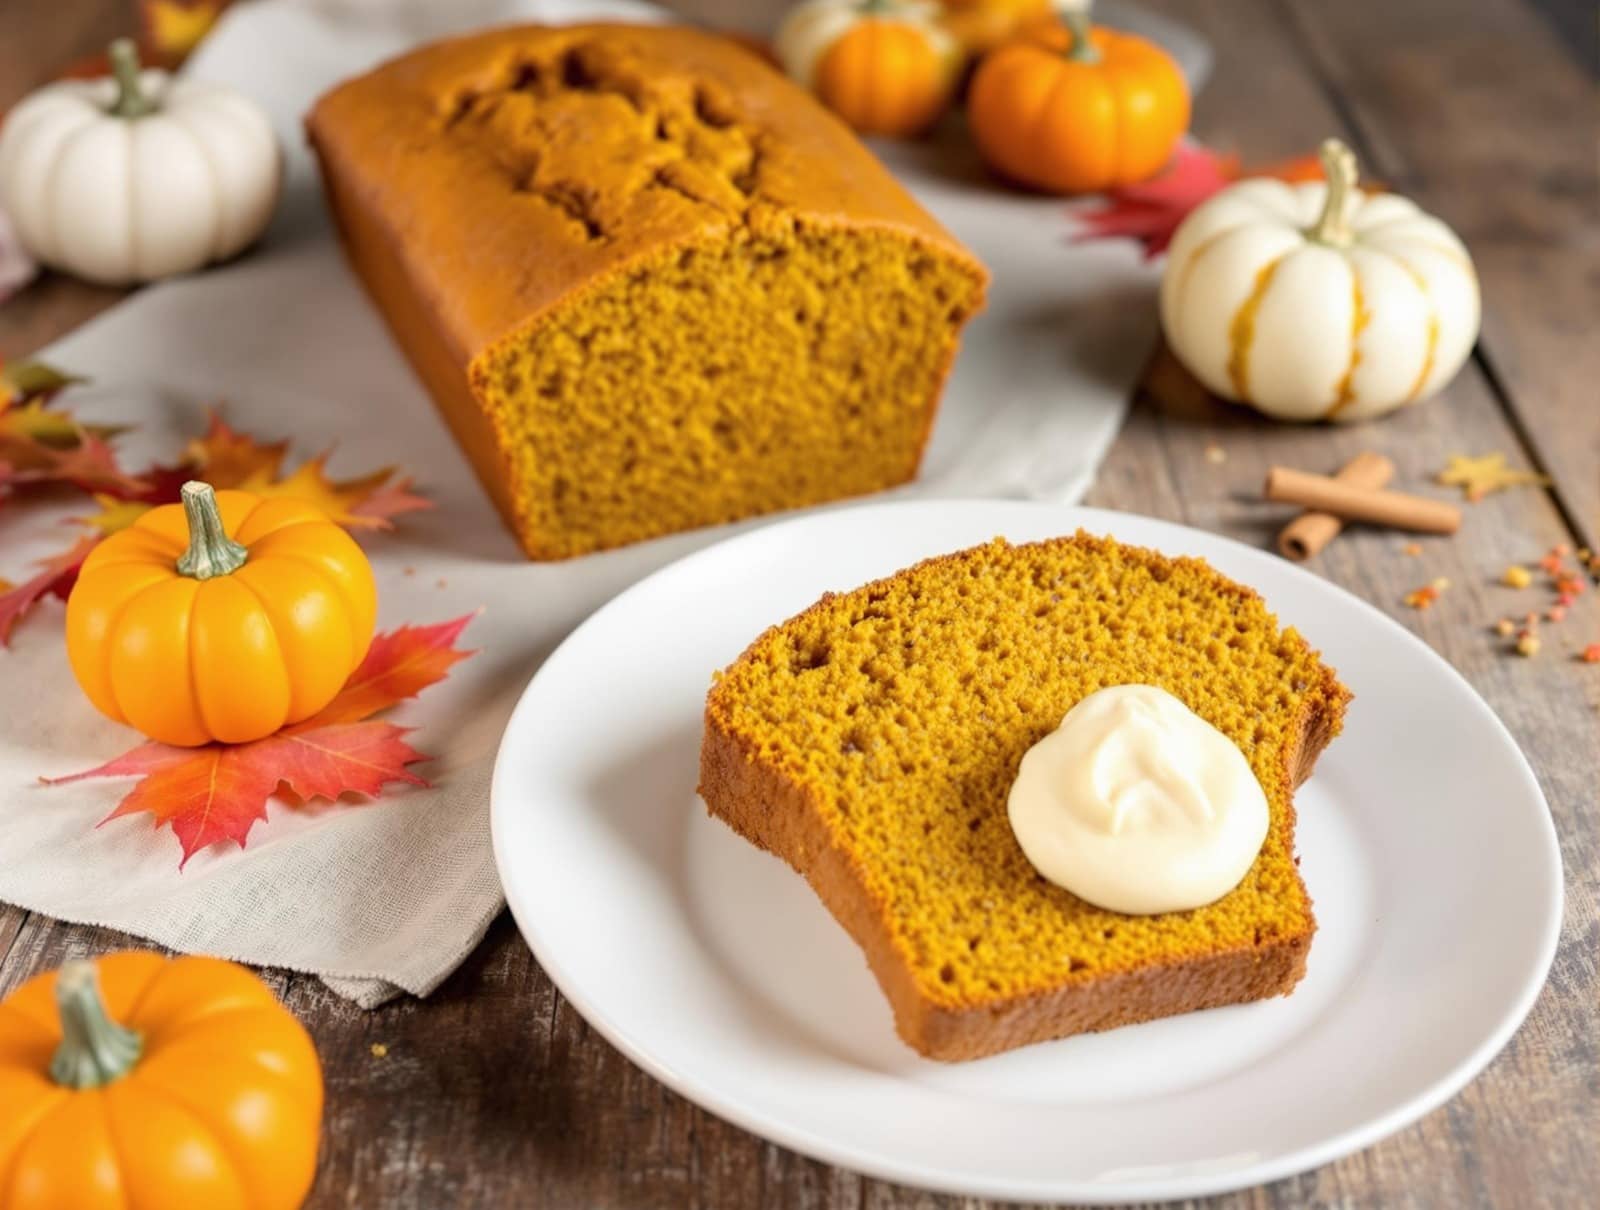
column 1395, row 509
column 1308, row 533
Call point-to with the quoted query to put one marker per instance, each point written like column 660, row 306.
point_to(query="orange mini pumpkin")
column 884, row 66
column 223, row 618
column 1070, row 108
column 182, row 1084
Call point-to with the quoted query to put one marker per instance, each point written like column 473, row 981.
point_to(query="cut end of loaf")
column 769, row 369
column 650, row 282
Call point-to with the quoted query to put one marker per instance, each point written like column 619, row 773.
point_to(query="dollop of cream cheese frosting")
column 1138, row 805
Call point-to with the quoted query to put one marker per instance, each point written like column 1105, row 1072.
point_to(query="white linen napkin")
column 391, row 896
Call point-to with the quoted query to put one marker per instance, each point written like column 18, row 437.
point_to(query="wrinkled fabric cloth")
column 391, row 896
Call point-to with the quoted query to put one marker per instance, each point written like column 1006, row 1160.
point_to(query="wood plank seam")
column 1483, row 357
column 27, row 917
column 1529, row 447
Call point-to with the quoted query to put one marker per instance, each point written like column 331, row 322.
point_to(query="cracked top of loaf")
column 514, row 166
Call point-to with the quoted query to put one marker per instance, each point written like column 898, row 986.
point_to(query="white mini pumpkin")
column 137, row 176
column 1318, row 301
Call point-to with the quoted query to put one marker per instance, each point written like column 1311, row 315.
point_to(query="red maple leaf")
column 219, row 792
column 380, row 508
column 1151, row 211
column 399, row 665
column 90, row 465
column 56, row 575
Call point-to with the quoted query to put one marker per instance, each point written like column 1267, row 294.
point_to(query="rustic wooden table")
column 495, row 1092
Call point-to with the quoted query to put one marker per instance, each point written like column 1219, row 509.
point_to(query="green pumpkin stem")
column 211, row 552
column 1076, row 18
column 1339, row 166
column 94, row 1049
column 132, row 101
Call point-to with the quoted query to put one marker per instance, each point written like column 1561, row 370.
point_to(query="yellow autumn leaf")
column 114, row 514
column 1478, row 477
column 37, row 422
column 176, row 27
column 310, row 482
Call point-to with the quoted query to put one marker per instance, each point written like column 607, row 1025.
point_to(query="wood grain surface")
column 495, row 1092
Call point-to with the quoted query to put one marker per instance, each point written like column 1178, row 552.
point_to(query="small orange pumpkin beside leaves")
column 885, row 66
column 137, row 1080
column 225, row 617
column 1067, row 107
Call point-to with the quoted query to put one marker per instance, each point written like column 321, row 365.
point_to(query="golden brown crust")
column 443, row 190
column 423, row 340
column 778, row 815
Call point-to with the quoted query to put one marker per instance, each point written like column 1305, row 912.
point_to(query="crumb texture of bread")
column 651, row 283
column 872, row 740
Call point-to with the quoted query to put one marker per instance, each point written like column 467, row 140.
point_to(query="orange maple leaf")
column 225, row 457
column 310, row 482
column 219, row 792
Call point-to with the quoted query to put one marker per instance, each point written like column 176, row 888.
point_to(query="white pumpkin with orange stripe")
column 885, row 66
column 1318, row 301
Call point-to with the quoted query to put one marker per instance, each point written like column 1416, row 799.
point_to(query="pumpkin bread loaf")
column 650, row 283
column 872, row 740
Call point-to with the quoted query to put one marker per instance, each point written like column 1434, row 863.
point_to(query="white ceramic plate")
column 1425, row 842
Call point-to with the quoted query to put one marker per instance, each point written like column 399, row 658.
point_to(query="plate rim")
column 964, row 1183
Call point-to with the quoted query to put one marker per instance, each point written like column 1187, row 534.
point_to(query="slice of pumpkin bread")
column 871, row 742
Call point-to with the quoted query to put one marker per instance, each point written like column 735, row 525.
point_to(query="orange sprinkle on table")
column 1423, row 598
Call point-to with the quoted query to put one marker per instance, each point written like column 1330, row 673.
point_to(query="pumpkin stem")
column 1339, row 166
column 211, row 552
column 94, row 1049
column 1076, row 18
column 131, row 102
